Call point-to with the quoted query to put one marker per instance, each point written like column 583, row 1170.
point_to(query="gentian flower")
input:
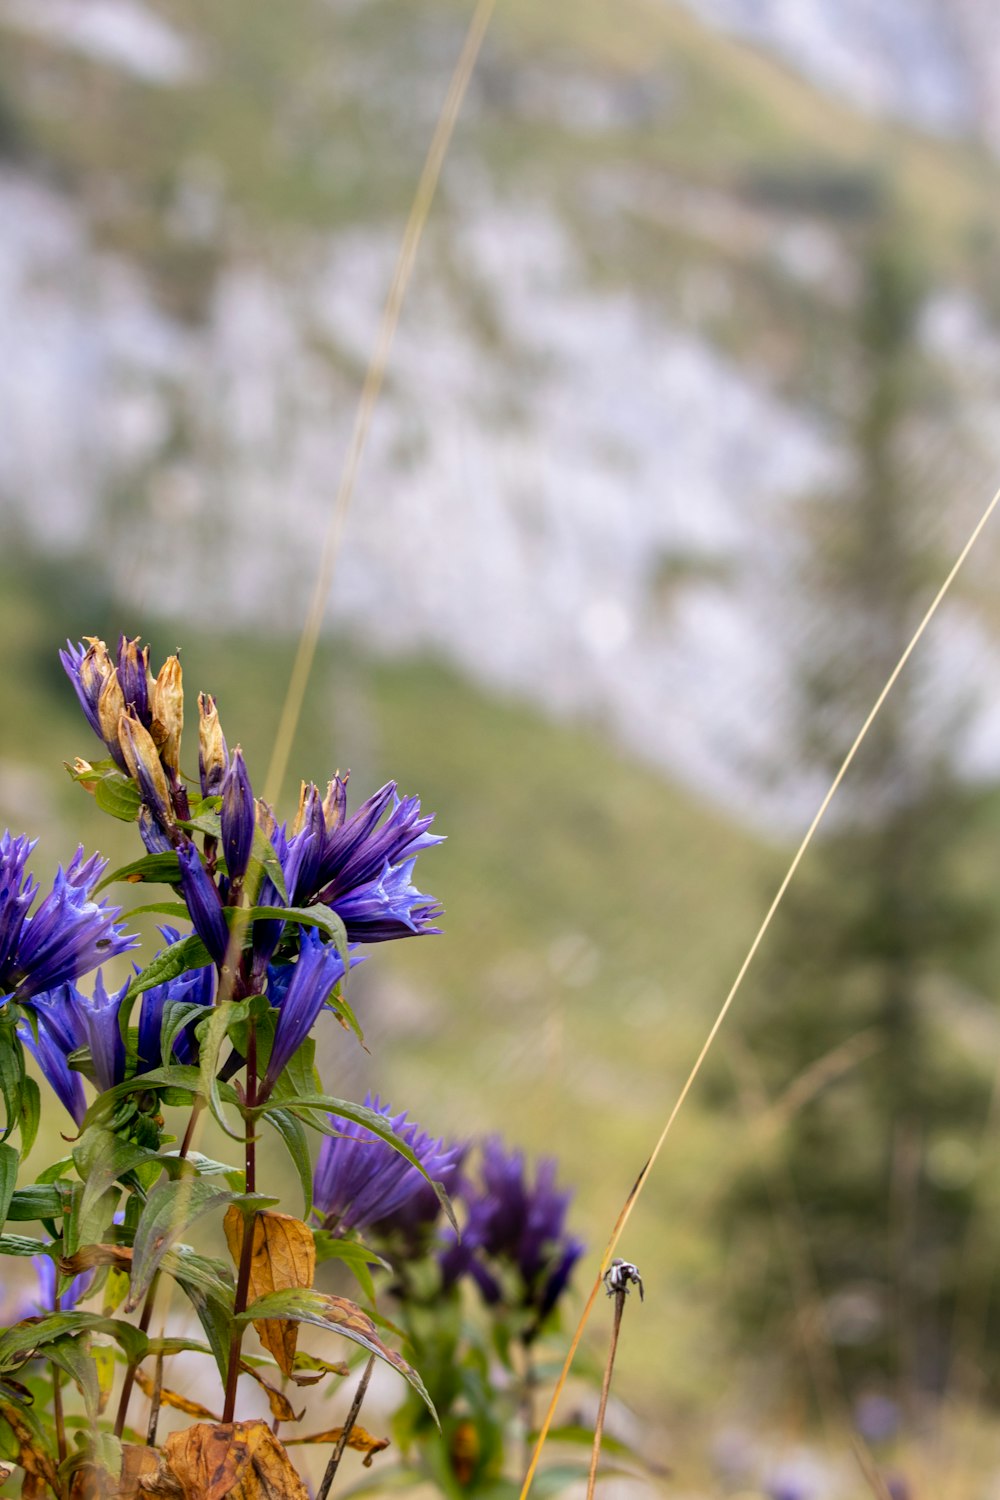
column 203, row 902
column 299, row 991
column 66, row 1020
column 514, row 1226
column 388, row 907
column 45, row 1270
column 68, row 934
column 194, row 986
column 359, row 866
column 362, row 1183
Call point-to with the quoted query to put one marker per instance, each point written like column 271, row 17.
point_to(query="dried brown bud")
column 143, row 761
column 213, row 753
column 166, row 701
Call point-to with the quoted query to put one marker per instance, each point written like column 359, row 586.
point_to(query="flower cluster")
column 513, row 1246
column 220, row 1020
column 69, row 933
column 358, row 867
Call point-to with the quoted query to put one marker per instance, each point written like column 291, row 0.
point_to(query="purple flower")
column 203, row 902
column 513, row 1225
column 67, row 1020
column 55, row 1036
column 68, row 935
column 45, row 1270
column 389, row 907
column 195, row 986
column 299, row 991
column 357, row 850
column 237, row 816
column 362, row 1183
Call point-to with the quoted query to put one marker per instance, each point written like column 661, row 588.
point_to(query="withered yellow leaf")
column 359, row 1439
column 40, row 1471
column 282, row 1409
column 283, row 1258
column 140, row 1465
column 170, row 1398
column 232, row 1461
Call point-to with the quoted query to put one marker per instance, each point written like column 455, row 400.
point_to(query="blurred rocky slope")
column 621, row 370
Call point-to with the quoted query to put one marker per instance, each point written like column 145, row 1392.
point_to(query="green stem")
column 249, row 1223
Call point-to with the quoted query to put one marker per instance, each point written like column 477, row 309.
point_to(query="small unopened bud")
column 335, row 802
column 110, row 707
column 213, row 753
column 167, row 706
column 237, row 816
column 133, row 674
column 143, row 761
column 95, row 669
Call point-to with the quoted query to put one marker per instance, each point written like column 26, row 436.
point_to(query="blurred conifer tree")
column 868, row 1190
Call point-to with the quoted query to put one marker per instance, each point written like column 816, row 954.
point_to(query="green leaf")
column 203, row 822
column 322, row 917
column 171, row 1208
column 101, row 1158
column 21, row 1340
column 71, row 1355
column 204, row 1166
column 176, row 1015
column 11, row 1074
column 20, row 1244
column 356, row 1257
column 263, row 854
column 189, row 953
column 31, row 1113
column 9, row 1161
column 152, row 869
column 336, row 1315
column 118, row 795
column 211, row 1035
column 48, row 1201
column 208, row 1284
column 292, row 1132
column 175, row 909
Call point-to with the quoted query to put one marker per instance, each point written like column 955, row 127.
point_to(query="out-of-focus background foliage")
column 693, row 399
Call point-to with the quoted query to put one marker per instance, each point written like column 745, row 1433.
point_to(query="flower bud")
column 133, row 674
column 167, row 707
column 110, row 707
column 237, row 817
column 335, row 802
column 95, row 668
column 213, row 753
column 143, row 761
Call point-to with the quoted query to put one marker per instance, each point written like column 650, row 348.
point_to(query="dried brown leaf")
column 281, row 1408
column 139, row 1466
column 363, row 1441
column 85, row 1259
column 92, row 1481
column 283, row 1258
column 232, row 1461
column 147, row 1385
